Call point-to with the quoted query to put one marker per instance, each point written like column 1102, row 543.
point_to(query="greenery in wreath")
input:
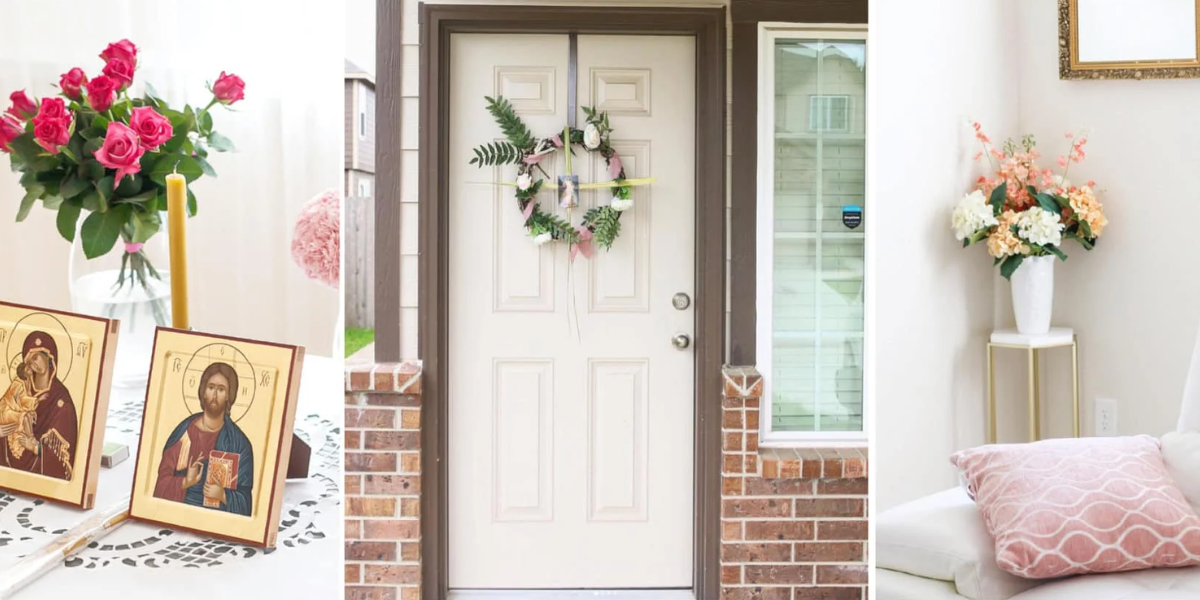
column 601, row 224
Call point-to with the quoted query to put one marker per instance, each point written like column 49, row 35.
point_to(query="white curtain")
column 288, row 132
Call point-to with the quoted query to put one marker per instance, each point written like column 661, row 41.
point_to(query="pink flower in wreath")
column 122, row 150
column 316, row 245
column 153, row 128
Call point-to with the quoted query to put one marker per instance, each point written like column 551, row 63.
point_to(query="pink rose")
column 52, row 134
column 71, row 82
column 120, row 71
column 22, row 107
column 122, row 150
column 153, row 128
column 101, row 92
column 229, row 88
column 53, row 109
column 10, row 129
column 124, row 50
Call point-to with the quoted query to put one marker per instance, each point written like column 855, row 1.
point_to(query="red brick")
column 842, row 574
column 353, row 484
column 731, row 486
column 392, row 440
column 752, row 402
column 813, row 552
column 353, row 440
column 733, row 441
column 353, row 574
column 392, row 485
column 762, row 507
column 731, row 403
column 379, row 529
column 360, row 380
column 392, row 400
column 731, row 530
column 391, row 574
column 831, row 468
column 842, row 530
column 410, row 593
column 752, row 420
column 829, row 593
column 824, row 507
column 752, row 463
column 370, row 418
column 755, row 552
column 371, row 551
column 775, row 574
column 370, row 593
column 733, row 463
column 779, row 530
column 368, row 462
column 843, row 487
column 410, row 419
column 370, row 507
column 731, row 574
column 410, row 507
column 732, row 419
column 410, row 462
column 756, row 593
column 385, row 379
column 353, row 529
column 410, row 551
column 752, row 441
column 757, row 486
column 811, row 468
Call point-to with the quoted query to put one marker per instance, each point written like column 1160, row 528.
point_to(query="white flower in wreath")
column 542, row 238
column 591, row 137
column 524, row 180
column 621, row 204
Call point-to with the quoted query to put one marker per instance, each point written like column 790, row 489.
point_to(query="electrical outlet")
column 1106, row 416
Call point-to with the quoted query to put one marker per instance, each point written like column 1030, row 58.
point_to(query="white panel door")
column 571, row 458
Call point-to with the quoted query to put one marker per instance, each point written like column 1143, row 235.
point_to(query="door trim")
column 437, row 23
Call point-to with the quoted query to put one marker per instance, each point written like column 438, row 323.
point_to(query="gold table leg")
column 991, row 375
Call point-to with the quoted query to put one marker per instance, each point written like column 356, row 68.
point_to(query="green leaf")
column 68, row 217
column 205, row 167
column 1047, row 203
column 93, row 202
column 32, row 194
column 175, row 143
column 191, row 203
column 52, row 202
column 73, row 186
column 141, row 198
column 129, row 186
column 101, row 230
column 92, row 145
column 145, row 225
column 151, row 92
column 105, row 188
column 998, row 196
column 100, row 122
column 996, row 261
column 1056, row 251
column 206, row 123
column 220, row 143
column 1085, row 229
column 1010, row 264
column 187, row 166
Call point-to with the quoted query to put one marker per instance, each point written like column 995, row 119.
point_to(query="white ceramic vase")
column 1033, row 294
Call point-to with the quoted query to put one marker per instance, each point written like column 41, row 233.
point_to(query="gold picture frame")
column 1071, row 67
column 216, row 435
column 55, row 381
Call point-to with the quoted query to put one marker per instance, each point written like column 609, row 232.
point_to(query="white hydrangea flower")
column 1040, row 226
column 591, row 137
column 972, row 214
column 542, row 238
column 524, row 180
column 621, row 205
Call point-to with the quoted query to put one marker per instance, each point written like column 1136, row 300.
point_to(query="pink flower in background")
column 10, row 129
column 72, row 83
column 316, row 245
column 53, row 109
column 52, row 134
column 121, row 71
column 122, row 150
column 101, row 93
column 124, row 50
column 229, row 88
column 22, row 107
column 153, row 128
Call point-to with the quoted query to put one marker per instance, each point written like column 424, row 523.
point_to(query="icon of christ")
column 38, row 423
column 207, row 460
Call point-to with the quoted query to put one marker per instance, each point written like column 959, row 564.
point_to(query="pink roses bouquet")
column 96, row 149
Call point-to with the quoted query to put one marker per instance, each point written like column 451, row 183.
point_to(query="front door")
column 571, row 448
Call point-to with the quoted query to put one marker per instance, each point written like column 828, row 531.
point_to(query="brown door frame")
column 437, row 24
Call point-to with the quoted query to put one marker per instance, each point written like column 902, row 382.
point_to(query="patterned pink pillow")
column 1071, row 506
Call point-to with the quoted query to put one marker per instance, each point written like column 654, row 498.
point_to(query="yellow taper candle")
column 177, row 228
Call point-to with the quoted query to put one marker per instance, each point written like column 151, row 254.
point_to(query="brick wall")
column 383, row 481
column 793, row 522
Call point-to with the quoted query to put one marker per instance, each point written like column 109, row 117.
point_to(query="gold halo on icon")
column 48, row 323
column 222, row 353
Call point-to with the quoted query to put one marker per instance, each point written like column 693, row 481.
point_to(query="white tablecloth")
column 139, row 560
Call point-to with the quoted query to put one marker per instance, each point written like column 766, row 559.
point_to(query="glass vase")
column 131, row 283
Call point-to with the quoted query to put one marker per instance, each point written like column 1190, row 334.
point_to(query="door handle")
column 681, row 341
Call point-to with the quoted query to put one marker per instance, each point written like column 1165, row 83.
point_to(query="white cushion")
column 894, row 585
column 1181, row 453
column 943, row 537
column 1149, row 584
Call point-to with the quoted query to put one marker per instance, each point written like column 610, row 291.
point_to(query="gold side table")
column 1032, row 345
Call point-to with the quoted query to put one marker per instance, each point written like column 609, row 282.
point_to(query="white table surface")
column 139, row 560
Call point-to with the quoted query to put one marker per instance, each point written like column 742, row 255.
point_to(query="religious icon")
column 568, row 191
column 54, row 386
column 216, row 435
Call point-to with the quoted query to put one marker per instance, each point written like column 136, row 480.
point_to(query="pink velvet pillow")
column 1071, row 506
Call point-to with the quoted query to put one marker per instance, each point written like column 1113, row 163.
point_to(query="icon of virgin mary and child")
column 207, row 461
column 38, row 422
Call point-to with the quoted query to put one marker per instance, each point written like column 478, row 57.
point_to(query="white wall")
column 288, row 131
column 932, row 64
column 360, row 33
column 1135, row 300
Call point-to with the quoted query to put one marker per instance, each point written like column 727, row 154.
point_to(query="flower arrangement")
column 94, row 148
column 1025, row 210
column 316, row 243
